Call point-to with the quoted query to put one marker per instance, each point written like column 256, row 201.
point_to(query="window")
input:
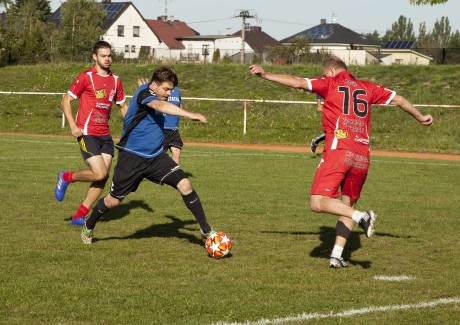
column 136, row 31
column 133, row 48
column 126, row 48
column 121, row 30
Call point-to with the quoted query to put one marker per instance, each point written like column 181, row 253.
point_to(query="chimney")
column 323, row 21
column 171, row 18
column 163, row 18
column 229, row 31
column 255, row 28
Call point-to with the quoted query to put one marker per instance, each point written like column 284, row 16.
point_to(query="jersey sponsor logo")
column 341, row 134
column 100, row 93
column 362, row 140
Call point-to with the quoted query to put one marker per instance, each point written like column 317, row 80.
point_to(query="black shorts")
column 172, row 139
column 131, row 170
column 92, row 145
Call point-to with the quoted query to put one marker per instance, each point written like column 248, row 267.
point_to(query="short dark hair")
column 334, row 62
column 164, row 74
column 101, row 45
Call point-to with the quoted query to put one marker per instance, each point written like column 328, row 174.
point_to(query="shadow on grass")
column 327, row 238
column 166, row 230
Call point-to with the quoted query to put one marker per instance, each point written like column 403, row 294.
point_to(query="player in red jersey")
column 96, row 88
column 345, row 160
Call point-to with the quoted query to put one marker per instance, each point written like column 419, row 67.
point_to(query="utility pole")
column 243, row 14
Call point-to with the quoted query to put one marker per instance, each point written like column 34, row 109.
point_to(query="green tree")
column 216, row 56
column 427, row 2
column 441, row 32
column 401, row 30
column 26, row 38
column 80, row 28
column 42, row 5
column 375, row 36
column 297, row 51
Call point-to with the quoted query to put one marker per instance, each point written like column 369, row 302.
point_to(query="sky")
column 281, row 19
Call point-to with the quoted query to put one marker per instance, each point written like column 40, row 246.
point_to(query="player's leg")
column 175, row 154
column 126, row 179
column 95, row 189
column 315, row 142
column 166, row 171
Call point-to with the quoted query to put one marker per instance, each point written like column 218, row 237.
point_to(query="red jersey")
column 96, row 93
column 347, row 109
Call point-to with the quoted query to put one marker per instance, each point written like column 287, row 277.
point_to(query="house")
column 202, row 47
column 169, row 31
column 125, row 29
column 401, row 52
column 351, row 47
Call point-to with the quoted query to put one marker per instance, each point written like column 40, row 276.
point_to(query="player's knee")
column 185, row 186
column 315, row 204
column 100, row 175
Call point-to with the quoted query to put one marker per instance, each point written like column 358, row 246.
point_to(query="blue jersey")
column 143, row 126
column 172, row 121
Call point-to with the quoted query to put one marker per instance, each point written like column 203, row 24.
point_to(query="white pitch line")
column 398, row 278
column 347, row 313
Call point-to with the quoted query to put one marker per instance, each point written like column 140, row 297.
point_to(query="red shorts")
column 340, row 169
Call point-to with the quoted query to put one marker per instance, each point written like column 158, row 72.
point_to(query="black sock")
column 98, row 211
column 193, row 203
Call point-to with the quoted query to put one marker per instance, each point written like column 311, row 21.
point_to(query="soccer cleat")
column 61, row 187
column 367, row 224
column 78, row 222
column 205, row 235
column 313, row 146
column 337, row 263
column 86, row 235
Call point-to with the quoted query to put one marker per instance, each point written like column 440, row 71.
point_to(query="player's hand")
column 426, row 120
column 76, row 131
column 198, row 117
column 142, row 81
column 257, row 70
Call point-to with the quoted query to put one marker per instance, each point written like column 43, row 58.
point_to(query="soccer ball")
column 218, row 244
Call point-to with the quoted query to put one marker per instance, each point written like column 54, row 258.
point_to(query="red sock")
column 67, row 177
column 82, row 211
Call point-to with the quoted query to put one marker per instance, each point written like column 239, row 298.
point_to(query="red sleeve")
column 78, row 86
column 382, row 95
column 120, row 99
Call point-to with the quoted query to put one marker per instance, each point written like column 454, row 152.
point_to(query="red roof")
column 168, row 30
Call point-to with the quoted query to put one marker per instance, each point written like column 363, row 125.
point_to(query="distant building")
column 356, row 49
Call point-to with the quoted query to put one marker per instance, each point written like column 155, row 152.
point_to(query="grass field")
column 148, row 264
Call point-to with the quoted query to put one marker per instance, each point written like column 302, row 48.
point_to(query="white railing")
column 244, row 101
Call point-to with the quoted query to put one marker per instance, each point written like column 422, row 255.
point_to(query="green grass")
column 267, row 123
column 148, row 265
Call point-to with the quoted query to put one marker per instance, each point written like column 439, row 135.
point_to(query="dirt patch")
column 306, row 149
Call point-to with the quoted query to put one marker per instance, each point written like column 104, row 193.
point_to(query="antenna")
column 243, row 14
column 166, row 6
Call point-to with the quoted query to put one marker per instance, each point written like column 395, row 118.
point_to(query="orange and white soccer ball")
column 218, row 244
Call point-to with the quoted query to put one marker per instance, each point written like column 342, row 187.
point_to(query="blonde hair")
column 334, row 62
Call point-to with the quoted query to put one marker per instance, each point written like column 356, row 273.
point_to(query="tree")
column 216, row 56
column 80, row 28
column 375, row 36
column 441, row 32
column 401, row 30
column 426, row 2
column 297, row 51
column 42, row 5
column 26, row 34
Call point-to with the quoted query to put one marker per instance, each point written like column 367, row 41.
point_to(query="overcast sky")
column 281, row 19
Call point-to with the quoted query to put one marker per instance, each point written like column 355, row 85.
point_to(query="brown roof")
column 168, row 31
column 257, row 39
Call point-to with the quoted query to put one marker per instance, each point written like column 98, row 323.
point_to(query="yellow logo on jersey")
column 341, row 134
column 101, row 93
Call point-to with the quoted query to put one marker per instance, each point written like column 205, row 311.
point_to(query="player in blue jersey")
column 141, row 154
column 172, row 140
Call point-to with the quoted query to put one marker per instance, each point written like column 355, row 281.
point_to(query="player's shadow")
column 327, row 237
column 122, row 210
column 166, row 230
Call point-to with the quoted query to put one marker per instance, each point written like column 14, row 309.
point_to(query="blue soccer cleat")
column 61, row 187
column 78, row 222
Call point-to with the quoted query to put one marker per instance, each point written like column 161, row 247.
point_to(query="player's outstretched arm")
column 407, row 106
column 171, row 109
column 283, row 79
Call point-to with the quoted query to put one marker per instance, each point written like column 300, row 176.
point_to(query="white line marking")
column 347, row 313
column 394, row 278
